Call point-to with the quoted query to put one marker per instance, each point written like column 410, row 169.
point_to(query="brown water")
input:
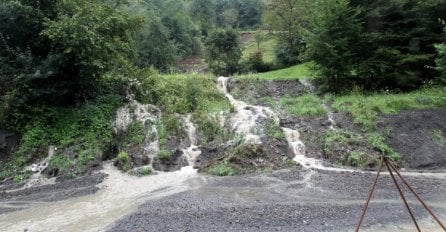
column 120, row 195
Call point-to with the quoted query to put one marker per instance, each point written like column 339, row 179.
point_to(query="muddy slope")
column 418, row 135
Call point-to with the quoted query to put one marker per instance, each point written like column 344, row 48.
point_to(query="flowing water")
column 120, row 194
column 193, row 151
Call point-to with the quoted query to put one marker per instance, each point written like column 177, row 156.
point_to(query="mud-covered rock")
column 172, row 163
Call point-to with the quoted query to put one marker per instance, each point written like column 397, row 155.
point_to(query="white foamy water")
column 193, row 151
column 245, row 119
column 120, row 194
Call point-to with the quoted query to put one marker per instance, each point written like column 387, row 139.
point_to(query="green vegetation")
column 378, row 142
column 124, row 161
column 85, row 131
column 439, row 137
column 335, row 138
column 265, row 45
column 365, row 108
column 358, row 159
column 301, row 71
column 222, row 169
column 223, row 52
column 306, row 105
column 134, row 134
column 209, row 129
column 182, row 93
column 163, row 154
column 273, row 130
column 145, row 171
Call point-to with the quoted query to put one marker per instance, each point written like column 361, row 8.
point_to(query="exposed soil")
column 416, row 135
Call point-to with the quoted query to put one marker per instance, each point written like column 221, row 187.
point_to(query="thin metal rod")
column 401, row 194
column 370, row 195
column 418, row 197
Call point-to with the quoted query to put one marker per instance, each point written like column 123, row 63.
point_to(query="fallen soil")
column 418, row 135
column 287, row 200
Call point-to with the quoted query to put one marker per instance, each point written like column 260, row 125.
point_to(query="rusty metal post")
column 418, row 197
column 401, row 194
column 370, row 195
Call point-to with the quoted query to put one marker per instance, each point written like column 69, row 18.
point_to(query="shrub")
column 124, row 161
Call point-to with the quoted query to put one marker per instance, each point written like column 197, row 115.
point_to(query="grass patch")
column 359, row 159
column 300, row 71
column 365, row 108
column 222, row 169
column 377, row 141
column 273, row 130
column 335, row 138
column 306, row 105
column 439, row 137
column 185, row 93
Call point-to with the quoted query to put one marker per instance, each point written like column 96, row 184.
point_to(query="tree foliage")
column 223, row 51
column 60, row 52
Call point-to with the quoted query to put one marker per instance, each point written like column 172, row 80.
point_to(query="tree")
column 60, row 53
column 333, row 42
column 223, row 51
column 441, row 59
column 288, row 17
column 203, row 13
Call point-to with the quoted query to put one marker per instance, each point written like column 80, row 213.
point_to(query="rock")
column 8, row 143
column 175, row 162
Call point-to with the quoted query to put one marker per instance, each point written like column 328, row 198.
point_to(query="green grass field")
column 299, row 71
column 266, row 47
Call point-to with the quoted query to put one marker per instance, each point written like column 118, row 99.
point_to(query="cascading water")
column 192, row 152
column 245, row 119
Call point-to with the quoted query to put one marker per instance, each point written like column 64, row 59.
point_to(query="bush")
column 124, row 161
column 255, row 63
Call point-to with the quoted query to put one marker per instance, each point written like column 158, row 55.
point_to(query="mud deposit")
column 418, row 136
column 290, row 200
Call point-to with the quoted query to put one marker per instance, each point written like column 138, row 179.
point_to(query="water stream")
column 120, row 194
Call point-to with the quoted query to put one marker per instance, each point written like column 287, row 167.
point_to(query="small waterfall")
column 244, row 121
column 192, row 152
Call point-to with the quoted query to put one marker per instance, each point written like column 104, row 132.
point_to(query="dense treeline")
column 376, row 44
column 68, row 52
